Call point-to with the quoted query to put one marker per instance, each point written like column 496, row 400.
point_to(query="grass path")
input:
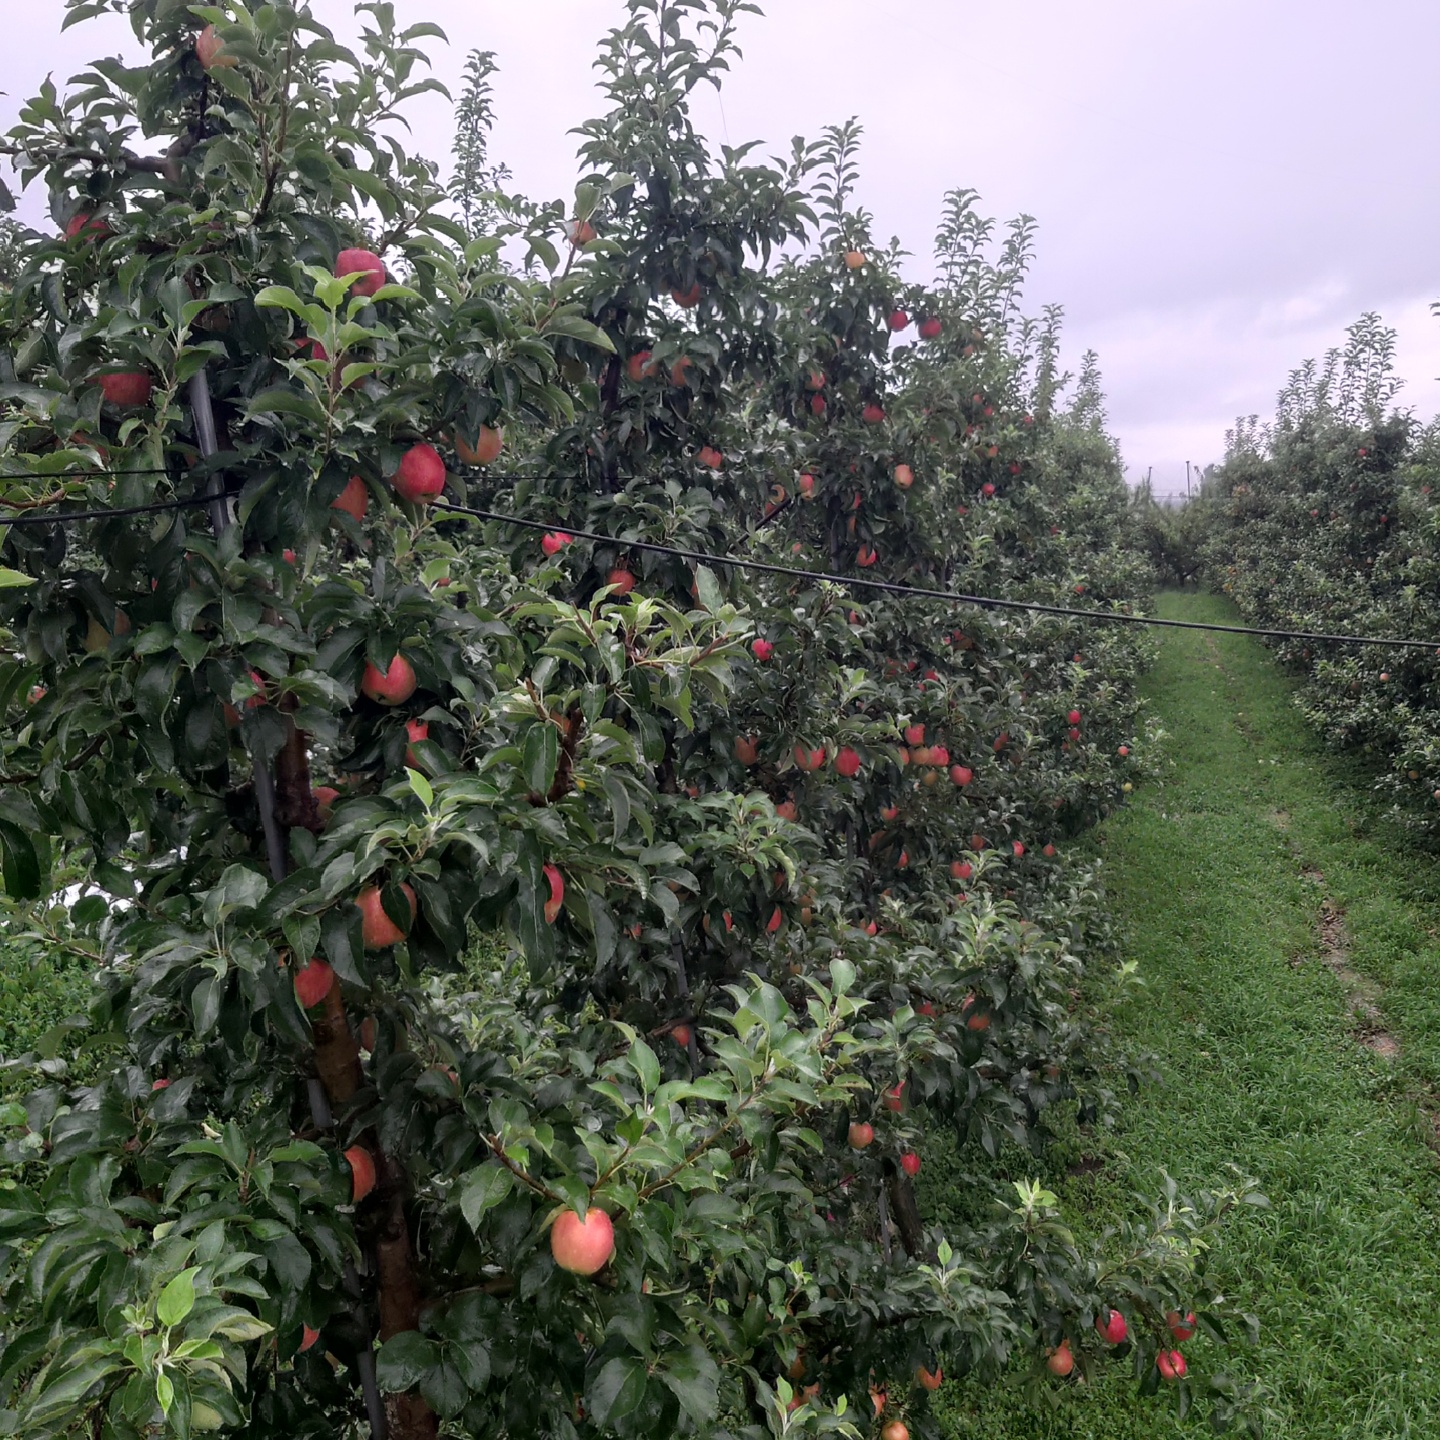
column 1287, row 938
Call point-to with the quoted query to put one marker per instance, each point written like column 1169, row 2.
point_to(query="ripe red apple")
column 931, row 328
column 308, row 1336
column 159, row 1085
column 354, row 499
column 862, row 1133
column 762, row 649
column 1171, row 1364
column 1181, row 1329
column 364, row 263
column 1111, row 1326
column 914, row 734
column 420, row 476
column 872, row 414
column 392, row 687
column 583, row 1247
column 890, row 812
column 1123, row 751
column 866, row 556
column 622, row 580
column 962, row 869
column 362, row 1172
column 903, row 863
column 910, row 1163
column 987, row 490
column 415, row 731
column 85, row 223
column 1060, row 1362
column 818, row 405
column 904, row 476
column 929, row 1379
column 325, row 798
column 486, row 449
column 552, row 542
column 960, row 775
column 1073, row 717
column 809, row 760
column 894, row 1098
column 210, row 51
column 895, row 1430
column 288, row 556
column 806, row 486
column 126, row 388
column 847, row 762
column 377, row 928
column 312, row 984
column 1048, row 852
column 747, row 750
column 710, row 458
column 854, row 259
column 1073, row 732
column 898, row 320
column 556, row 882
column 1018, row 848
column 579, row 232
column 777, row 918
column 787, row 810
column 687, row 299
column 681, row 1036
column 35, row 694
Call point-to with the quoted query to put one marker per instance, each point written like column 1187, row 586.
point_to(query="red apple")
column 364, row 263
column 904, row 476
column 1181, row 1329
column 325, row 798
column 687, row 299
column 872, row 414
column 910, row 1163
column 762, row 649
column 1018, row 848
column 895, row 1430
column 987, row 490
column 84, row 223
column 929, row 1379
column 962, row 869
column 681, row 1036
column 159, row 1085
column 787, row 810
column 622, row 580
column 818, row 405
column 288, row 556
column 35, row 694
column 312, row 984
column 809, row 760
column 806, row 486
column 890, row 812
column 866, row 556
column 556, row 881
column 126, row 388
column 1060, row 1362
column 640, row 366
column 861, row 1134
column 486, row 449
column 210, row 51
column 914, row 734
column 415, row 731
column 308, row 1336
column 354, row 499
column 710, row 458
column 395, row 686
column 362, row 1172
column 894, row 1098
column 1111, row 1326
column 1073, row 717
column 931, row 328
column 777, row 918
column 579, row 232
column 421, row 475
column 960, row 775
column 898, row 320
column 1171, row 1364
column 1048, row 852
column 854, row 259
column 377, row 928
column 747, row 751
column 847, row 762
column 552, row 542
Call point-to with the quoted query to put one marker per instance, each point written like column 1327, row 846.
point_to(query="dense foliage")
column 1327, row 521
column 768, row 871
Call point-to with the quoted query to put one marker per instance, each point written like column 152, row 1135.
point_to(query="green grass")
column 1217, row 875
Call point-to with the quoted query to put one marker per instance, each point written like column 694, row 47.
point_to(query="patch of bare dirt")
column 1362, row 994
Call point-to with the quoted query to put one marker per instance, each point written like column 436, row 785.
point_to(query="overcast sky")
column 1221, row 185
